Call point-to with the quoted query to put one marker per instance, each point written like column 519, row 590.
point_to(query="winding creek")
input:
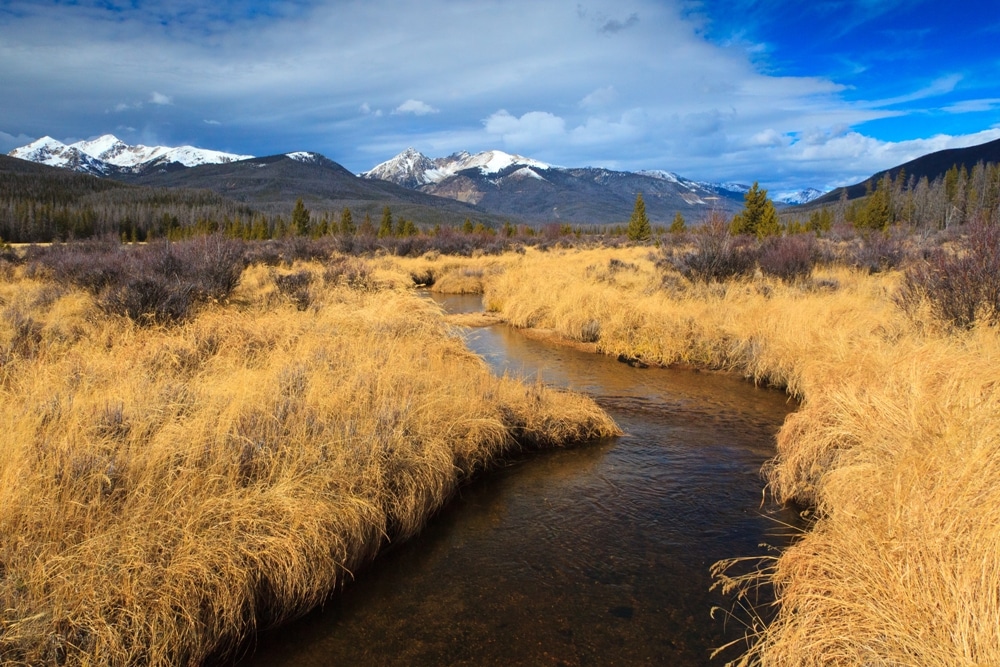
column 598, row 555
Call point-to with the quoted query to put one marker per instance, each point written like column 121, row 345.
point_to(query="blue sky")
column 793, row 94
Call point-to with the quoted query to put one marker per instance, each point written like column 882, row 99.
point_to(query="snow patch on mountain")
column 668, row 176
column 305, row 156
column 799, row 197
column 411, row 168
column 738, row 188
column 103, row 154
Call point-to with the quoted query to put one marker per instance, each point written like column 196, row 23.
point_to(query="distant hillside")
column 39, row 203
column 931, row 166
column 273, row 183
column 517, row 187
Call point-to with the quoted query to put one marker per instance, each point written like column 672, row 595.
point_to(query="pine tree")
column 877, row 212
column 385, row 227
column 639, row 228
column 346, row 222
column 300, row 219
column 367, row 228
column 678, row 226
column 758, row 217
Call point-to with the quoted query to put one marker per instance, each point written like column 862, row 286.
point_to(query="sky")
column 789, row 93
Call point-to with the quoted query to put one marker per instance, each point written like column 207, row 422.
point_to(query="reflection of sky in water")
column 596, row 555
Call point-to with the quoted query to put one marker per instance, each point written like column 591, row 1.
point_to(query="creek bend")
column 597, row 555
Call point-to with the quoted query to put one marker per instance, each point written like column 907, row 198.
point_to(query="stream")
column 597, row 555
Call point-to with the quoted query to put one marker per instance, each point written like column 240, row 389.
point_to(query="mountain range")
column 109, row 156
column 489, row 186
column 516, row 186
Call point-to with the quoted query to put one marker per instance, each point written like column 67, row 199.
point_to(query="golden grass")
column 165, row 491
column 896, row 443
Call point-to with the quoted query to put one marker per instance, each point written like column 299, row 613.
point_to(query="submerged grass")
column 896, row 444
column 167, row 490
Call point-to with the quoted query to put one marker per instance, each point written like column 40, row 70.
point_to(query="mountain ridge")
column 930, row 166
column 490, row 183
column 514, row 185
column 108, row 155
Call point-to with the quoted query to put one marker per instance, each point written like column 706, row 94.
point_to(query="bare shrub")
column 147, row 300
column 157, row 283
column 351, row 271
column 718, row 255
column 789, row 257
column 879, row 252
column 296, row 287
column 962, row 286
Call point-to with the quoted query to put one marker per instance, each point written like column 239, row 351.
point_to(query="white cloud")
column 9, row 142
column 601, row 97
column 936, row 88
column 212, row 122
column 770, row 138
column 650, row 92
column 531, row 129
column 973, row 106
column 415, row 107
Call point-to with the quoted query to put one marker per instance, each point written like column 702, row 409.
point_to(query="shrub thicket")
column 718, row 255
column 788, row 257
column 154, row 284
column 963, row 285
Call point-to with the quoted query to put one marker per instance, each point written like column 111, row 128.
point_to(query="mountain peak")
column 107, row 154
column 413, row 169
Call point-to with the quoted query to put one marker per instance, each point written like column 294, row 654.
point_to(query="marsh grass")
column 895, row 447
column 168, row 489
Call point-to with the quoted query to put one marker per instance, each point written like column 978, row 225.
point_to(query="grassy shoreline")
column 896, row 443
column 165, row 490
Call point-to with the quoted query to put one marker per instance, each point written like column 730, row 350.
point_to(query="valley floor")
column 895, row 448
column 167, row 489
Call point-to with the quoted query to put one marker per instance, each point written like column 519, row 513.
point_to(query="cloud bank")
column 639, row 84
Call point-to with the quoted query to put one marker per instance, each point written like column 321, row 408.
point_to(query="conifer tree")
column 678, row 226
column 877, row 212
column 346, row 222
column 639, row 228
column 300, row 219
column 367, row 228
column 385, row 227
column 758, row 216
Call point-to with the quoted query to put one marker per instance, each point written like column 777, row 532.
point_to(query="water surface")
column 597, row 555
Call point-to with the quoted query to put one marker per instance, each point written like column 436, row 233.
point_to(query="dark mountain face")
column 581, row 196
column 931, row 166
column 273, row 184
column 528, row 190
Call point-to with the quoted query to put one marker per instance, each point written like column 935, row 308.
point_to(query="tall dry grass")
column 165, row 491
column 896, row 444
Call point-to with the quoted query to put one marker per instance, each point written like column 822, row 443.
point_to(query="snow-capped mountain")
column 800, row 197
column 413, row 169
column 517, row 186
column 108, row 154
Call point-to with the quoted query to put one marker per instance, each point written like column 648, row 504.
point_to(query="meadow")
column 891, row 347
column 206, row 438
column 197, row 444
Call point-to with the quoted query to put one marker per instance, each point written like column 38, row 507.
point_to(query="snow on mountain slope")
column 44, row 151
column 101, row 155
column 412, row 169
column 800, row 197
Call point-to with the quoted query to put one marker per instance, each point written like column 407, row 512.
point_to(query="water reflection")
column 592, row 556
